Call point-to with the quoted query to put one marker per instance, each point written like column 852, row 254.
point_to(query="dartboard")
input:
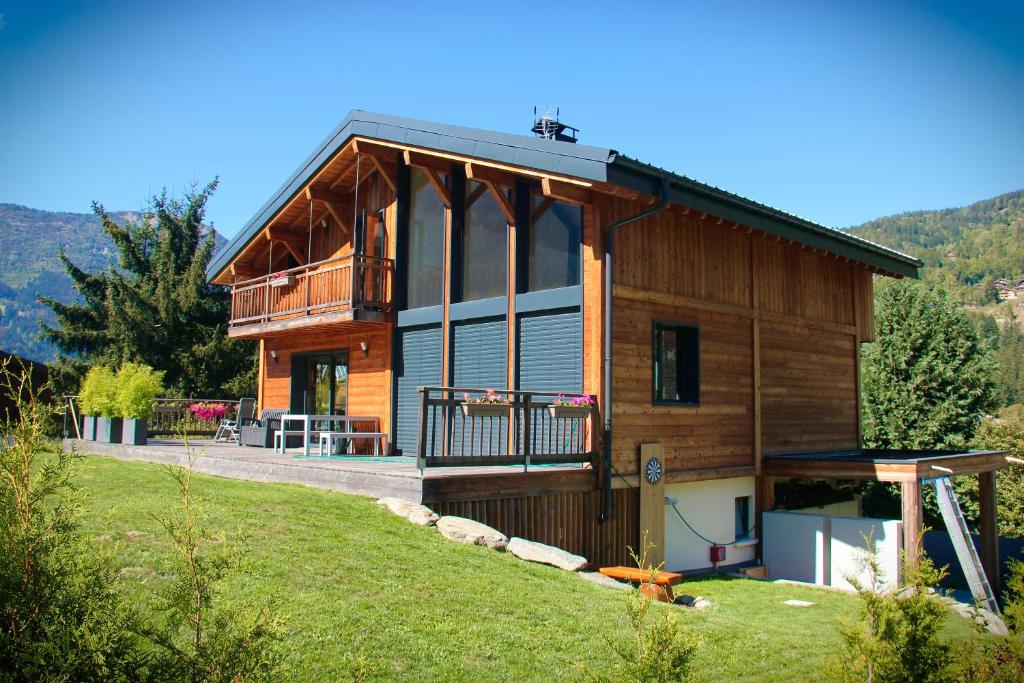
column 654, row 471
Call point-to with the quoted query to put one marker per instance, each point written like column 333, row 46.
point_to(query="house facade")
column 707, row 329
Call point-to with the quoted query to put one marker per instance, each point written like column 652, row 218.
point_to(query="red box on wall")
column 717, row 553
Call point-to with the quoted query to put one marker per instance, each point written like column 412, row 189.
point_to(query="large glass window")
column 554, row 245
column 676, row 364
column 426, row 242
column 484, row 245
column 327, row 384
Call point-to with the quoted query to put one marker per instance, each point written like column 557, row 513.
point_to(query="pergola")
column 908, row 468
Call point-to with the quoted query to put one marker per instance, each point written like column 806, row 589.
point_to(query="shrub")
column 987, row 659
column 61, row 615
column 98, row 395
column 137, row 386
column 897, row 637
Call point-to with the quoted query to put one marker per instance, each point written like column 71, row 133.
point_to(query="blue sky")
column 837, row 114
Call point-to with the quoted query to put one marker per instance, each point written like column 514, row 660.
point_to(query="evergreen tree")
column 155, row 306
column 928, row 378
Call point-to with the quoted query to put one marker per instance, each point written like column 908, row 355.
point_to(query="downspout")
column 609, row 262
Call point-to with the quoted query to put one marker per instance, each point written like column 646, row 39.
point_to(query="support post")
column 913, row 515
column 988, row 528
column 764, row 501
column 527, row 445
column 652, row 505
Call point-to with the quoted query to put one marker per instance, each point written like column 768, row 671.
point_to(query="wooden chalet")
column 407, row 266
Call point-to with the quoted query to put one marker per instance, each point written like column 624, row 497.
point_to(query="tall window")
column 554, row 244
column 676, row 364
column 327, row 384
column 426, row 242
column 484, row 245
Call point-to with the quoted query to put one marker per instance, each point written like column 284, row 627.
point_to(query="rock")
column 993, row 623
column 690, row 602
column 798, row 603
column 701, row 603
column 415, row 513
column 471, row 533
column 546, row 554
column 601, row 579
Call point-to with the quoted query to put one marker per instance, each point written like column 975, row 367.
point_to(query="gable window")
column 484, row 245
column 676, row 363
column 554, row 244
column 426, row 242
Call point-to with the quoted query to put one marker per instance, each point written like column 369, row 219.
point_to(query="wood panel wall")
column 565, row 520
column 779, row 326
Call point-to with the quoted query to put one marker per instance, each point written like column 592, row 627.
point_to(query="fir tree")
column 155, row 306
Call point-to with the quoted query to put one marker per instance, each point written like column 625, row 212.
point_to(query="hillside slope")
column 30, row 240
column 967, row 249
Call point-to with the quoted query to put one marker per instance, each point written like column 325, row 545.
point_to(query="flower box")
column 282, row 281
column 108, row 429
column 134, row 431
column 558, row 411
column 486, row 409
column 89, row 427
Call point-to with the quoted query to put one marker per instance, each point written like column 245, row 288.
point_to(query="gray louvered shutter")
column 551, row 351
column 417, row 363
column 480, row 352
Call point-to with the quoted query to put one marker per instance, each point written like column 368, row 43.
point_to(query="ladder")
column 959, row 534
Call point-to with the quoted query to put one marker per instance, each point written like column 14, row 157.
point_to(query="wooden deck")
column 375, row 477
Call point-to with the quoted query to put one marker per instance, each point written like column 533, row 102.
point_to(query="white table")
column 345, row 420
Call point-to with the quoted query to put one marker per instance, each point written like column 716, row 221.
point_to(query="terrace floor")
column 371, row 476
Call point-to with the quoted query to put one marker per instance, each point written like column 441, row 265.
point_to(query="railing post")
column 266, row 299
column 355, row 279
column 526, row 432
column 308, row 278
column 421, row 447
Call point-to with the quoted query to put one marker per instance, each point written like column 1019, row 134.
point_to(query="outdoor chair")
column 260, row 433
column 228, row 430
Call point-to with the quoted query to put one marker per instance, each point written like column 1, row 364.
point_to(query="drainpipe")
column 609, row 262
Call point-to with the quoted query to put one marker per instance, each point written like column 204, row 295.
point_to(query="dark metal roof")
column 569, row 159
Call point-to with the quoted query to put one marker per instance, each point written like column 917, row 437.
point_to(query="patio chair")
column 228, row 430
column 260, row 433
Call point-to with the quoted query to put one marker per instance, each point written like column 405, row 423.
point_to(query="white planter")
column 486, row 409
column 285, row 281
column 569, row 411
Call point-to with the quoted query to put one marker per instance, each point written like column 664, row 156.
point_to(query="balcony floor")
column 335, row 321
column 375, row 477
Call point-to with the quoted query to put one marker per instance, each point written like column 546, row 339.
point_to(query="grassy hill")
column 351, row 578
column 965, row 248
column 30, row 240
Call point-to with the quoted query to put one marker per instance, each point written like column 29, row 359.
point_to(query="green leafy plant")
column 999, row 659
column 204, row 636
column 897, row 637
column 62, row 617
column 660, row 652
column 137, row 386
column 98, row 395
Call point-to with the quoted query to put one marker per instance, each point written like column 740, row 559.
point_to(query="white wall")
column 848, row 508
column 710, row 508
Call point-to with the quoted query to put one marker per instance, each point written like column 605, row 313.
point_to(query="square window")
column 743, row 517
column 676, row 364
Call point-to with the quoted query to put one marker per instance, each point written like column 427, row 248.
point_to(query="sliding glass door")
column 327, row 384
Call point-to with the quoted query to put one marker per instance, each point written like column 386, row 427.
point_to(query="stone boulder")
column 545, row 554
column 415, row 513
column 471, row 533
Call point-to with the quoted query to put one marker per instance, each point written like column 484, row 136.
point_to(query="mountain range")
column 30, row 240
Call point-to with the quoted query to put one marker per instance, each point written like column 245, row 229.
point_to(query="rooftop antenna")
column 546, row 125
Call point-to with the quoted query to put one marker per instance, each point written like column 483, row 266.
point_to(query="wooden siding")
column 369, row 375
column 779, row 328
column 565, row 520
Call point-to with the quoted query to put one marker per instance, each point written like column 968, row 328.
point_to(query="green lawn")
column 350, row 577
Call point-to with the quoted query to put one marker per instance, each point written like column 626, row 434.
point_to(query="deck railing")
column 522, row 428
column 169, row 416
column 353, row 281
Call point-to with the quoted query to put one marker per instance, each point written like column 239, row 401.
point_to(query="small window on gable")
column 676, row 364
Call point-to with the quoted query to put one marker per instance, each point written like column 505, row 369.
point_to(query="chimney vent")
column 546, row 125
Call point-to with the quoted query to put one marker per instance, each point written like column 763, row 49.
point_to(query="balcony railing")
column 522, row 428
column 352, row 282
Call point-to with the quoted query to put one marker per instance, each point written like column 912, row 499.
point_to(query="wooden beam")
column 913, row 518
column 494, row 180
column 336, row 213
column 475, row 195
column 425, row 161
column 386, row 172
column 541, row 209
column 279, row 237
column 321, row 192
column 564, row 192
column 442, row 190
column 988, row 528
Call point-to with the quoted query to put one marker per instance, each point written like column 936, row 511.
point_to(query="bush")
column 62, row 617
column 98, row 395
column 984, row 659
column 137, row 386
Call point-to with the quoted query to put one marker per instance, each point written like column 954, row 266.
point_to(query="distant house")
column 408, row 265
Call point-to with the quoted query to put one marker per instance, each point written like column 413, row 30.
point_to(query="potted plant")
column 488, row 405
column 571, row 406
column 99, row 404
column 282, row 279
column 138, row 386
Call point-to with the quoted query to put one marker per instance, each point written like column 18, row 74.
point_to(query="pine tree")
column 927, row 379
column 155, row 306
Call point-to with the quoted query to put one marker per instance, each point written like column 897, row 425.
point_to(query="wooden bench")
column 658, row 586
column 330, row 438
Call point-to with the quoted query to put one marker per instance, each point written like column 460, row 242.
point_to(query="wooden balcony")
column 337, row 292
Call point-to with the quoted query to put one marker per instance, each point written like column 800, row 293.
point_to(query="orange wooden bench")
column 658, row 586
